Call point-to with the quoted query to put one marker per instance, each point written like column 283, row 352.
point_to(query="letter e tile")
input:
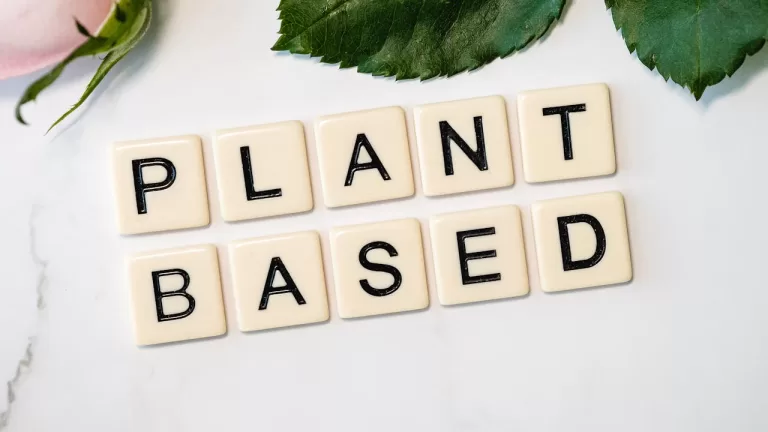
column 262, row 171
column 566, row 133
column 479, row 255
column 160, row 184
column 279, row 281
column 364, row 157
column 464, row 145
column 379, row 268
column 176, row 295
column 582, row 241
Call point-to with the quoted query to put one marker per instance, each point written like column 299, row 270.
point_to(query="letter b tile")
column 379, row 268
column 160, row 184
column 582, row 241
column 364, row 157
column 464, row 145
column 566, row 133
column 176, row 295
column 479, row 255
column 279, row 281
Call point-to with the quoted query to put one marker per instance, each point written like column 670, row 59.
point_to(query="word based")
column 378, row 268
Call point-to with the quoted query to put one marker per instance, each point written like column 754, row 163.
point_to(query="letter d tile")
column 582, row 241
column 176, row 295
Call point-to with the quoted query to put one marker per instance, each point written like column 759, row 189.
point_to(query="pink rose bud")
column 37, row 33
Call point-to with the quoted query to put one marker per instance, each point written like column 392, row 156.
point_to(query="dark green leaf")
column 694, row 42
column 412, row 38
column 115, row 39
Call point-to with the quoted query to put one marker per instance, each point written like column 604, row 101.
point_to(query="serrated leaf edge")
column 701, row 83
column 399, row 76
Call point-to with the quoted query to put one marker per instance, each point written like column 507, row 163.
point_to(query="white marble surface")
column 682, row 348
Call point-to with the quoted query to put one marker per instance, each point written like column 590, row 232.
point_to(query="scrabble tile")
column 379, row 268
column 582, row 241
column 566, row 133
column 262, row 171
column 278, row 281
column 176, row 295
column 479, row 255
column 159, row 184
column 364, row 157
column 464, row 145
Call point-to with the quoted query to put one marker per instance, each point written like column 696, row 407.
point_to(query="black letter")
column 354, row 166
column 464, row 257
column 250, row 190
column 396, row 275
column 447, row 134
column 565, row 124
column 290, row 286
column 142, row 188
column 159, row 294
column 565, row 242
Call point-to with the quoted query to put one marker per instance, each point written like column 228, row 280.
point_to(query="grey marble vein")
column 25, row 363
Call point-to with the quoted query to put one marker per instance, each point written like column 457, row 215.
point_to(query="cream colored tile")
column 262, row 171
column 566, row 133
column 379, row 268
column 364, row 157
column 159, row 184
column 479, row 255
column 278, row 281
column 582, row 241
column 176, row 295
column 464, row 145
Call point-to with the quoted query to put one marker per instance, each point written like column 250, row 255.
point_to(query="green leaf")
column 694, row 42
column 412, row 38
column 119, row 34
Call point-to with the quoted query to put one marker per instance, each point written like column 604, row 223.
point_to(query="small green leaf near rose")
column 696, row 43
column 122, row 30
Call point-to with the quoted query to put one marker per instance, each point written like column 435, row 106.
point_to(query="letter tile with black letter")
column 279, row 281
column 160, row 184
column 262, row 171
column 379, row 268
column 464, row 145
column 566, row 133
column 364, row 157
column 582, row 241
column 479, row 255
column 176, row 295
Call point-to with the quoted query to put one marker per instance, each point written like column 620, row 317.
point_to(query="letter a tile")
column 262, row 171
column 479, row 255
column 464, row 145
column 176, row 295
column 582, row 241
column 566, row 133
column 160, row 184
column 279, row 281
column 379, row 268
column 364, row 157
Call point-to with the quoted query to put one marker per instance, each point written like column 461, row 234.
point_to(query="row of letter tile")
column 379, row 268
column 565, row 133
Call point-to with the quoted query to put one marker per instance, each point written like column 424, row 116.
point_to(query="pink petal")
column 37, row 33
